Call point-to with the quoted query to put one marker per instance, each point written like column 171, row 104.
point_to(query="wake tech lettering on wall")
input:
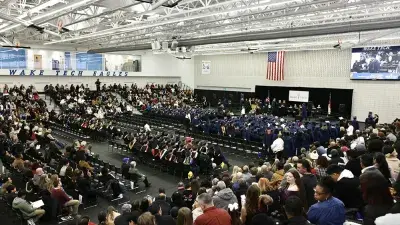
column 70, row 73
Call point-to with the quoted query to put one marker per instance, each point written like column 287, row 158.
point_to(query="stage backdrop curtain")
column 319, row 96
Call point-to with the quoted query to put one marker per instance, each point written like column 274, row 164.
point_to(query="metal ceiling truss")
column 249, row 20
column 134, row 24
column 260, row 21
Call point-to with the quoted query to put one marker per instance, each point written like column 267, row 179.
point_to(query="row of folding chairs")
column 69, row 131
column 139, row 120
column 241, row 147
column 233, row 146
column 172, row 168
column 236, row 145
column 166, row 120
column 115, row 146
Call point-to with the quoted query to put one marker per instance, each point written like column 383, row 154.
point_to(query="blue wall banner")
column 375, row 63
column 12, row 58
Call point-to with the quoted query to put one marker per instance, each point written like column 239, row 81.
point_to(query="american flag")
column 267, row 100
column 275, row 65
column 330, row 104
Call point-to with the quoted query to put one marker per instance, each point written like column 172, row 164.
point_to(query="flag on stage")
column 275, row 65
column 267, row 100
column 329, row 104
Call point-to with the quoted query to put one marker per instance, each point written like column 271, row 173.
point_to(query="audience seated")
column 26, row 208
column 363, row 164
column 11, row 194
column 136, row 176
column 85, row 188
column 63, row 199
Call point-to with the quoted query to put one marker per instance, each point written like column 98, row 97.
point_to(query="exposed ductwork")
column 270, row 35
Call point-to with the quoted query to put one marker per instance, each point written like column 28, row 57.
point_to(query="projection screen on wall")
column 375, row 63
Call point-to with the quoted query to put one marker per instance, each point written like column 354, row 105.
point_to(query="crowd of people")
column 317, row 173
column 153, row 95
column 61, row 177
column 323, row 185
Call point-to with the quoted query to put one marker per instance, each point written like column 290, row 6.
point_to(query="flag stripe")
column 275, row 66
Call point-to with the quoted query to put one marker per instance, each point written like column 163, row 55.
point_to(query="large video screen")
column 375, row 63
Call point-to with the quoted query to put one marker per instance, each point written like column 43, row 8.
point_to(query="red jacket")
column 60, row 196
column 213, row 216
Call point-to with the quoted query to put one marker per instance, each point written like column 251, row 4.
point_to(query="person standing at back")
column 347, row 187
column 126, row 216
column 98, row 83
column 295, row 211
column 328, row 210
column 309, row 180
column 211, row 214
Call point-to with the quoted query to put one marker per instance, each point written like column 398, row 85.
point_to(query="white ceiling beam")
column 136, row 26
column 369, row 38
column 6, row 41
column 160, row 11
column 54, row 13
column 158, row 4
column 102, row 14
column 268, row 21
column 15, row 20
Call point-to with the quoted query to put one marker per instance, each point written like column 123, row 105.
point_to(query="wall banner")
column 206, row 67
column 65, row 73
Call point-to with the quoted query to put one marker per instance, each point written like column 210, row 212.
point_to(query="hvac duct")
column 271, row 35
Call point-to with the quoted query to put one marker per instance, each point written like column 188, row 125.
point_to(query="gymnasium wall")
column 161, row 69
column 320, row 69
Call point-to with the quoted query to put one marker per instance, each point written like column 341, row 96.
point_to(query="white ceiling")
column 97, row 24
